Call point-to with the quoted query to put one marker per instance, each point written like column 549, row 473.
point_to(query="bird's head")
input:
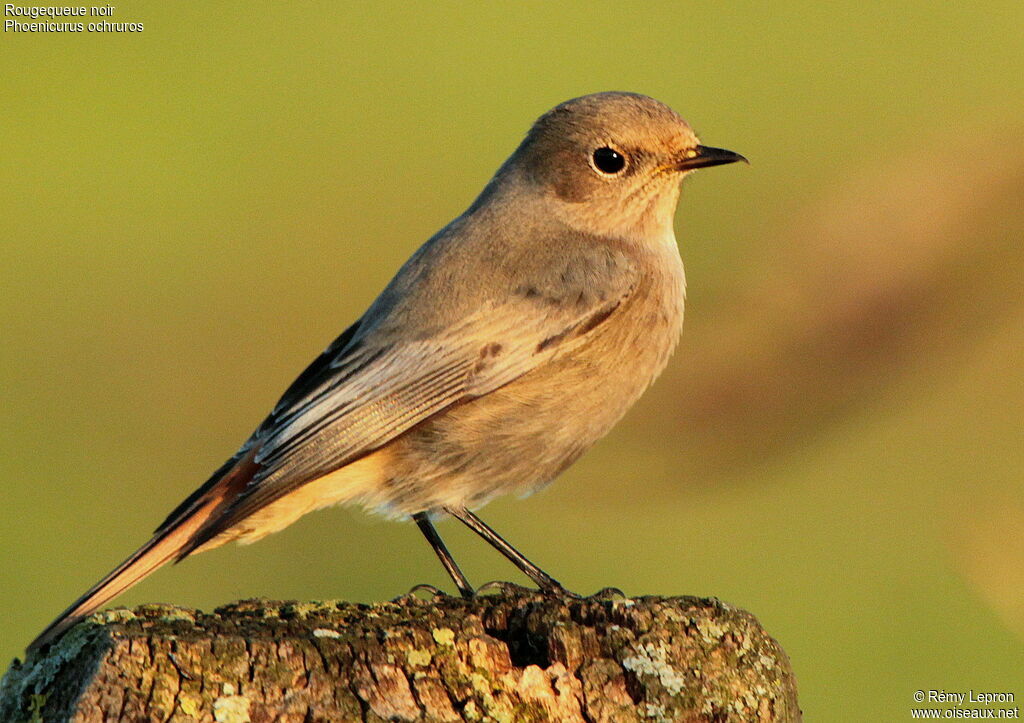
column 611, row 163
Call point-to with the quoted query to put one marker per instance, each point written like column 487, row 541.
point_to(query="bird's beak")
column 704, row 156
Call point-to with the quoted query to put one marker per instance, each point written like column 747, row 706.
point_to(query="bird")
column 507, row 344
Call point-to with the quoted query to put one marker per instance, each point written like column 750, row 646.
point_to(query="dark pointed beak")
column 704, row 156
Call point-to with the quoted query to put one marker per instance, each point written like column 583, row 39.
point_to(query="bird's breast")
column 634, row 345
column 517, row 438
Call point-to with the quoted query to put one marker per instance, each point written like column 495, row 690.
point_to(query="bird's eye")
column 608, row 160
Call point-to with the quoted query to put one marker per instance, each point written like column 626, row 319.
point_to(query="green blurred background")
column 189, row 214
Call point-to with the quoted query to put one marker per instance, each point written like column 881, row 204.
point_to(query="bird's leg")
column 427, row 528
column 544, row 581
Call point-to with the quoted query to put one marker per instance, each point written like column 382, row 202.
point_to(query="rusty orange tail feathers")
column 171, row 542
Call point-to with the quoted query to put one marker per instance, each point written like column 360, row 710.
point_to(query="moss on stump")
column 513, row 656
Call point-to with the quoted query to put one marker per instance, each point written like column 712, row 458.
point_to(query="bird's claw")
column 558, row 591
column 435, row 593
column 609, row 593
column 503, row 587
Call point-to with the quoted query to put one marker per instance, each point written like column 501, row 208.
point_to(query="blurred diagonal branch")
column 899, row 271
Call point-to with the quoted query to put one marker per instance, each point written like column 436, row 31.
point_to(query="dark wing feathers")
column 312, row 377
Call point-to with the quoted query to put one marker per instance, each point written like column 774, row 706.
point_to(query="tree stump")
column 513, row 656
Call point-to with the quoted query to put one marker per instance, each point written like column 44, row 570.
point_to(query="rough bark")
column 513, row 656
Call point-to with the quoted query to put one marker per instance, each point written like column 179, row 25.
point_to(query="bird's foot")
column 557, row 590
column 503, row 587
column 550, row 586
column 427, row 592
column 609, row 593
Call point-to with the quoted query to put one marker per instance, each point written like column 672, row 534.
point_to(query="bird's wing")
column 367, row 394
column 319, row 371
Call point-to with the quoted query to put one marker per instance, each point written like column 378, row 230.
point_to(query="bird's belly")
column 518, row 438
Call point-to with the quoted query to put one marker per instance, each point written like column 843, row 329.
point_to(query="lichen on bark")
column 508, row 657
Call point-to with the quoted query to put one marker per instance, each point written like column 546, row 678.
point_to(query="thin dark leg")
column 544, row 581
column 427, row 528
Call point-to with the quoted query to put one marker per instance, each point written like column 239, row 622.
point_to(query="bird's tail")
column 165, row 546
column 172, row 541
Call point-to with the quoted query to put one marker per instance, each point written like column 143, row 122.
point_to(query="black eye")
column 608, row 160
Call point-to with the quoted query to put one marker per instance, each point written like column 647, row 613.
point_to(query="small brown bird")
column 508, row 344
